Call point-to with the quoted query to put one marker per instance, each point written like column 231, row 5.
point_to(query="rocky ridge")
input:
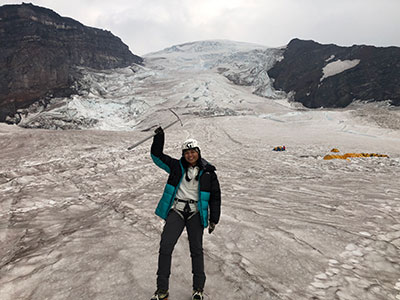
column 332, row 76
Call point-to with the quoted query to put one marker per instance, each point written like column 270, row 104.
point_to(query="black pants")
column 172, row 231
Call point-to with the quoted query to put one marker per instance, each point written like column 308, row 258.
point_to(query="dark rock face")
column 40, row 50
column 374, row 74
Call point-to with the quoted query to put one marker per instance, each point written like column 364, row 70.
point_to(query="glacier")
column 77, row 208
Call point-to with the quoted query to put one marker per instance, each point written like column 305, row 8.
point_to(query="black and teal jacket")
column 209, row 203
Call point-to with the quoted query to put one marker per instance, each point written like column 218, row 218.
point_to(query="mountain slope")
column 200, row 75
column 207, row 77
column 39, row 51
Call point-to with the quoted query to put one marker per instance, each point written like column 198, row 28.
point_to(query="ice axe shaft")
column 149, row 137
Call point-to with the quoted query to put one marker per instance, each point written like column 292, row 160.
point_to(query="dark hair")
column 187, row 177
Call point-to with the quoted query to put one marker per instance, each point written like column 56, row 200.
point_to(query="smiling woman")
column 191, row 200
column 191, row 156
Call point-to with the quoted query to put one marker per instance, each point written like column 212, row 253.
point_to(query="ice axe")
column 149, row 137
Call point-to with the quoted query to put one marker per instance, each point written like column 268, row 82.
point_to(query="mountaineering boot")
column 161, row 295
column 197, row 295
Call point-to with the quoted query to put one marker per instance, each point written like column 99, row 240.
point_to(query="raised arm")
column 160, row 159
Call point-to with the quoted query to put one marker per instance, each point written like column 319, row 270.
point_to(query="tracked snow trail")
column 77, row 209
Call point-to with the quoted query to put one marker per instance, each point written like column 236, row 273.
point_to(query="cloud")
column 151, row 25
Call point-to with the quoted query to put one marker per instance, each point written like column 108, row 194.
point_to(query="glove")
column 159, row 130
column 211, row 227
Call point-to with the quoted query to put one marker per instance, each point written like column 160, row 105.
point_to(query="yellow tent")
column 347, row 155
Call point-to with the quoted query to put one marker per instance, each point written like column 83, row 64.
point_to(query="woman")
column 191, row 199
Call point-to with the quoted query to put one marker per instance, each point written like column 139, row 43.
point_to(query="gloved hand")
column 159, row 130
column 211, row 227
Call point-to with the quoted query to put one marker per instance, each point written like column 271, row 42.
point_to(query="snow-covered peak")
column 202, row 55
column 210, row 46
column 242, row 63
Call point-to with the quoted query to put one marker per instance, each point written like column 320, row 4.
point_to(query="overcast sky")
column 152, row 25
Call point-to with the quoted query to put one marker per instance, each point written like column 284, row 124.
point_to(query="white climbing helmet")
column 190, row 144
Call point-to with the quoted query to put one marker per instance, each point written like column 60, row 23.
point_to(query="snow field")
column 77, row 209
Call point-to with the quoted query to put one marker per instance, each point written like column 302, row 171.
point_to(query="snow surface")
column 338, row 66
column 77, row 209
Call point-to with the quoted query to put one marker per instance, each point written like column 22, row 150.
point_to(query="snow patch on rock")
column 337, row 67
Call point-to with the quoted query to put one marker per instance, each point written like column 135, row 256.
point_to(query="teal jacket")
column 209, row 203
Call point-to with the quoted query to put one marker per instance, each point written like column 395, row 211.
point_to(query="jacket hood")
column 207, row 166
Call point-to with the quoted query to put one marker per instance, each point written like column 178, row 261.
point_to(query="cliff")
column 333, row 76
column 40, row 50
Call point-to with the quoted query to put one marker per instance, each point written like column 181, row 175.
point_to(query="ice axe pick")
column 149, row 137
